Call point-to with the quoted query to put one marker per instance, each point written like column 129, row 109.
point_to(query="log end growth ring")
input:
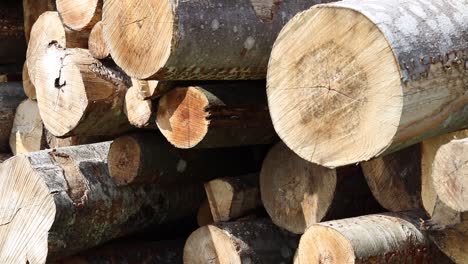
column 139, row 34
column 334, row 87
column 124, row 160
column 77, row 14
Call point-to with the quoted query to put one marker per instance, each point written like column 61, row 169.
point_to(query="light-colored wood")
column 204, row 216
column 233, row 197
column 11, row 95
column 58, row 202
column 140, row 113
column 48, row 29
column 164, row 40
column 80, row 14
column 97, row 45
column 27, row 133
column 216, row 115
column 12, row 40
column 29, row 88
column 253, row 241
column 350, row 80
column 32, row 9
column 151, row 89
column 362, row 240
column 78, row 95
column 3, row 78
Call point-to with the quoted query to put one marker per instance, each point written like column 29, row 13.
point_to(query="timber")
column 29, row 88
column 96, row 44
column 140, row 113
column 80, row 15
column 253, row 241
column 240, row 32
column 78, row 95
column 216, row 115
column 151, row 89
column 232, row 197
column 58, row 202
column 54, row 142
column 11, row 95
column 361, row 240
column 12, row 40
column 27, row 133
column 32, row 9
column 371, row 81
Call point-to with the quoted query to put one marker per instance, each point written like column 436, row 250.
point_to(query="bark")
column 32, row 9
column 140, row 113
column 97, row 45
column 189, row 47
column 11, row 95
column 80, row 15
column 29, row 88
column 387, row 75
column 216, row 115
column 80, row 96
column 361, row 240
column 12, row 41
column 147, row 158
column 68, row 202
column 27, row 133
column 233, row 197
column 255, row 241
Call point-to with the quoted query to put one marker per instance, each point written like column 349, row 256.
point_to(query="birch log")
column 146, row 158
column 386, row 75
column 58, row 202
column 78, row 95
column 164, row 40
column 216, row 115
column 32, row 9
column 361, row 240
column 255, row 241
column 80, row 15
column 12, row 41
column 96, row 44
column 11, row 95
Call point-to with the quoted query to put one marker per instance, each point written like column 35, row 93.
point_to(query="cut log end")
column 27, row 134
column 79, row 15
column 130, row 27
column 139, row 112
column 182, row 118
column 296, row 193
column 28, row 87
column 323, row 101
column 124, row 160
column 97, row 45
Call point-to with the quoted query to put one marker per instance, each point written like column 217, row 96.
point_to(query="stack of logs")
column 222, row 131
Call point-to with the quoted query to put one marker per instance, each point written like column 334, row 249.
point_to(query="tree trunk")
column 361, row 240
column 386, row 75
column 232, row 197
column 11, row 95
column 218, row 115
column 204, row 216
column 32, row 9
column 78, row 95
column 297, row 193
column 29, row 88
column 163, row 252
column 97, row 45
column 254, row 241
column 12, row 41
column 140, row 113
column 185, row 46
column 80, row 15
column 49, row 29
column 58, row 202
column 27, row 133
column 151, row 89
column 147, row 158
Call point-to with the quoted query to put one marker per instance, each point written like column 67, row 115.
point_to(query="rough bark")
column 185, row 46
column 29, row 88
column 255, row 241
column 204, row 216
column 11, row 95
column 46, row 30
column 216, row 115
column 58, row 202
column 232, row 197
column 361, row 240
column 140, row 113
column 387, row 75
column 12, row 41
column 97, row 45
column 32, row 9
column 80, row 15
column 147, row 158
column 78, row 95
column 27, row 133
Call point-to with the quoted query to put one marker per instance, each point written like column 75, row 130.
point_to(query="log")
column 146, row 158
column 80, row 96
column 32, row 9
column 178, row 45
column 151, row 89
column 97, row 45
column 217, row 115
column 27, row 133
column 49, row 29
column 58, row 202
column 361, row 240
column 140, row 113
column 255, row 241
column 377, row 81
column 11, row 95
column 232, row 197
column 80, row 15
column 12, row 41
column 297, row 193
column 54, row 142
column 28, row 87
column 163, row 252
column 204, row 215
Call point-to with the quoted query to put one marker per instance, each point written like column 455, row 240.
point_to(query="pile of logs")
column 233, row 131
